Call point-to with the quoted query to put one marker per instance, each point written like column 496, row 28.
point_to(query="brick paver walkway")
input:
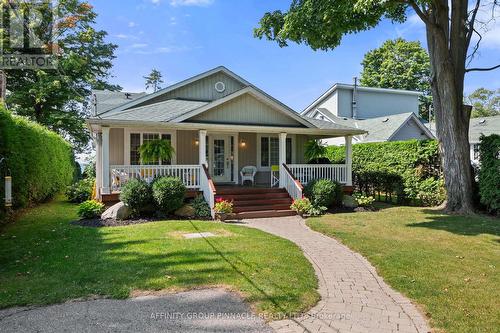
column 353, row 297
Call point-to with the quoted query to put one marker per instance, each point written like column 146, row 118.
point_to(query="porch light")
column 8, row 191
column 243, row 143
column 196, row 142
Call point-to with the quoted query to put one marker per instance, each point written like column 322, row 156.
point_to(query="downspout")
column 355, row 99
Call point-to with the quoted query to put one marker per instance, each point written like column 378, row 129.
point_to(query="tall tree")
column 153, row 80
column 399, row 64
column 60, row 98
column 450, row 26
column 485, row 103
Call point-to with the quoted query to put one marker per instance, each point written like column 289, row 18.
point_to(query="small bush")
column 201, row 207
column 136, row 194
column 323, row 192
column 168, row 194
column 80, row 191
column 489, row 174
column 364, row 201
column 301, row 206
column 431, row 192
column 90, row 209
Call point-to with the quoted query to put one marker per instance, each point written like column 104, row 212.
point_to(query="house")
column 218, row 123
column 386, row 114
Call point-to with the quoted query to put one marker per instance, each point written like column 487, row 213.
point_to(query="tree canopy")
column 399, row 64
column 154, row 80
column 485, row 103
column 60, row 98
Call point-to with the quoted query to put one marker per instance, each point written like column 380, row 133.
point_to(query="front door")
column 220, row 158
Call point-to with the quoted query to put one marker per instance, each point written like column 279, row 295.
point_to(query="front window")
column 269, row 151
column 138, row 139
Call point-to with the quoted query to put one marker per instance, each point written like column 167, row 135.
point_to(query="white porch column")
column 348, row 160
column 282, row 156
column 98, row 164
column 236, row 170
column 105, row 160
column 202, row 145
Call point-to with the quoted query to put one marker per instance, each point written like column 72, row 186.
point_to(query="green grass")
column 44, row 259
column 448, row 264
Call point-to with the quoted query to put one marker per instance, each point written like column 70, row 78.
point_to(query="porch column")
column 105, row 160
column 98, row 164
column 282, row 156
column 202, row 145
column 348, row 160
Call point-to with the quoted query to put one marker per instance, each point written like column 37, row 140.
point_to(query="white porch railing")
column 208, row 188
column 120, row 174
column 292, row 185
column 307, row 172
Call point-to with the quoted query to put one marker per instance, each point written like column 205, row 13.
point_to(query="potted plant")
column 156, row 150
column 223, row 209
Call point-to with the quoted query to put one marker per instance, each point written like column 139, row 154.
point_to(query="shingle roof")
column 162, row 111
column 107, row 100
column 322, row 124
column 483, row 125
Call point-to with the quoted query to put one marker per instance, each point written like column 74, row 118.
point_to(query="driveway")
column 208, row 310
column 353, row 297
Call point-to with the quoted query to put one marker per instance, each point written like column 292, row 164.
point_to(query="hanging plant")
column 315, row 151
column 156, row 150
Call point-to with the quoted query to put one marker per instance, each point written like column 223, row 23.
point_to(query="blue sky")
column 182, row 38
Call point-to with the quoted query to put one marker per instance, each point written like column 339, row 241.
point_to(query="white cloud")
column 155, row 2
column 202, row 3
column 173, row 20
column 132, row 24
column 139, row 45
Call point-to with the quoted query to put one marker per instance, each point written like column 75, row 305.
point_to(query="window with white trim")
column 269, row 151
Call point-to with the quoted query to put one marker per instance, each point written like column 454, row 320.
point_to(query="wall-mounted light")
column 196, row 142
column 243, row 143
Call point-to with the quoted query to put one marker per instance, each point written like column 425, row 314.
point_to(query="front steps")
column 250, row 202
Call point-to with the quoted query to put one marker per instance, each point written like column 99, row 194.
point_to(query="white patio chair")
column 248, row 173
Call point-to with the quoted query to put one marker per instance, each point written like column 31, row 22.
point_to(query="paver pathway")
column 353, row 297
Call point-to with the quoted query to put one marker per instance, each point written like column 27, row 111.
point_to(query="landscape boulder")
column 118, row 211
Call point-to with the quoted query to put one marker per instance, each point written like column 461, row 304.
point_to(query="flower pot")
column 221, row 216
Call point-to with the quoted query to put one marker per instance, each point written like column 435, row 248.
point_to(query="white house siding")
column 246, row 110
column 203, row 90
column 116, row 147
column 409, row 131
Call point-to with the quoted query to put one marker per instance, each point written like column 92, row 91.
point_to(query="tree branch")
column 470, row 27
column 419, row 12
column 479, row 69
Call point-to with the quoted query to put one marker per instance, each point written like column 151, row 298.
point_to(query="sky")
column 182, row 38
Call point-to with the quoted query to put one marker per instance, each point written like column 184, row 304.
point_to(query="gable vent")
column 220, row 87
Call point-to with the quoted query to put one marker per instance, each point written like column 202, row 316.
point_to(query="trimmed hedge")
column 489, row 173
column 40, row 161
column 409, row 170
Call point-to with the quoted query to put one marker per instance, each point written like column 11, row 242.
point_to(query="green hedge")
column 40, row 161
column 489, row 173
column 408, row 170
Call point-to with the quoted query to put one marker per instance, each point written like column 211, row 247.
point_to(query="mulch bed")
column 334, row 210
column 97, row 223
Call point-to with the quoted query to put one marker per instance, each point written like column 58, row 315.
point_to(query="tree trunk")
column 38, row 112
column 447, row 49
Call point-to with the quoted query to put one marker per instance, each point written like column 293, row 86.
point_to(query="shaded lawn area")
column 448, row 264
column 44, row 259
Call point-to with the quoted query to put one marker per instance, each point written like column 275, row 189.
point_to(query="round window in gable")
column 220, row 87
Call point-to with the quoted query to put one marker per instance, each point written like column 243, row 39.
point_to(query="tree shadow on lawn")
column 460, row 225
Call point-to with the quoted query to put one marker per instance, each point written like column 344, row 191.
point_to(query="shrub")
column 168, row 194
column 40, row 161
column 489, row 173
column 201, row 207
column 364, row 201
column 136, row 194
column 80, row 191
column 323, row 193
column 223, row 206
column 90, row 209
column 301, row 206
column 431, row 192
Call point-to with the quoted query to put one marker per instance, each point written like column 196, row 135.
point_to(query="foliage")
column 302, row 206
column 156, row 150
column 323, row 193
column 40, row 162
column 395, row 168
column 201, row 207
column 399, row 64
column 223, row 206
column 489, row 173
column 90, row 209
column 485, row 103
column 364, row 201
column 137, row 195
column 154, row 80
column 89, row 169
column 81, row 190
column 59, row 99
column 431, row 192
column 168, row 193
column 314, row 150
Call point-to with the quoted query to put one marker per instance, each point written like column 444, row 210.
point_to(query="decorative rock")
column 349, row 202
column 185, row 211
column 118, row 212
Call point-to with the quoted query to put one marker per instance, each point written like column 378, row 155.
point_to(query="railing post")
column 348, row 160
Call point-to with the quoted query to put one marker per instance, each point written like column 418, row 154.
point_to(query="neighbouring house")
column 218, row 124
column 386, row 114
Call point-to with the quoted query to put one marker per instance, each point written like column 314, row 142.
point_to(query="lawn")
column 44, row 259
column 448, row 264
